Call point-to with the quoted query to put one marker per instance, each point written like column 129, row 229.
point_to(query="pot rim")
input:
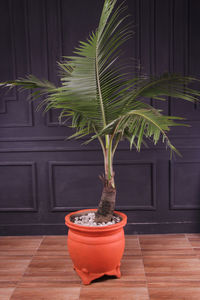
column 78, row 227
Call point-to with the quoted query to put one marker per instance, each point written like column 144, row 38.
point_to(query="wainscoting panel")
column 18, row 186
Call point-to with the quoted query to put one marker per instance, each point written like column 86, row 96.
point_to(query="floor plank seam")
column 146, row 284
column 27, row 267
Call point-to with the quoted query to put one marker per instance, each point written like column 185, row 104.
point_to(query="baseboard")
column 33, row 229
column 163, row 228
column 131, row 228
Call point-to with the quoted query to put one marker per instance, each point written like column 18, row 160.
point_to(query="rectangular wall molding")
column 18, row 188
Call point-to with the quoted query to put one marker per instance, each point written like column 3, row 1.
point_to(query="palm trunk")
column 108, row 197
column 107, row 203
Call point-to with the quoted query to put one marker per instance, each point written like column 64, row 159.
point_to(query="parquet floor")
column 154, row 267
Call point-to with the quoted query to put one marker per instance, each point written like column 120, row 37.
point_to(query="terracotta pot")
column 96, row 251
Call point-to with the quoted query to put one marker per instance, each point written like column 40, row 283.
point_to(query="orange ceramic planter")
column 96, row 251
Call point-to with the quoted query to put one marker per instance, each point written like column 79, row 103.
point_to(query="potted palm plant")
column 105, row 101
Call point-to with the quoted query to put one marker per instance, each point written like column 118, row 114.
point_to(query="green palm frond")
column 146, row 123
column 172, row 85
column 39, row 87
column 95, row 77
column 30, row 82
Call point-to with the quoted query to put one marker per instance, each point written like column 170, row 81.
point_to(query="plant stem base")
column 88, row 277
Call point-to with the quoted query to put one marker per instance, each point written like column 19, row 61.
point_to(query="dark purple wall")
column 43, row 177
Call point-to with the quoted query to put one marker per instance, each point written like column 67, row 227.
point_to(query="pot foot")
column 87, row 277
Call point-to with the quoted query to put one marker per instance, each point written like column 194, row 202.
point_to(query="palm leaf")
column 140, row 123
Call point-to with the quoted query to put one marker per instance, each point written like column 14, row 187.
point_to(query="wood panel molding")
column 76, row 164
column 176, row 190
column 32, row 191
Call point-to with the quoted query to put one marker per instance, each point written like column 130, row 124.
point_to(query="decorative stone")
column 89, row 220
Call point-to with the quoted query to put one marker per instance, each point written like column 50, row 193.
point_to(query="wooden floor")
column 154, row 267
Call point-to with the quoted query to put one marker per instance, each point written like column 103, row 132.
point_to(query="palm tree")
column 105, row 100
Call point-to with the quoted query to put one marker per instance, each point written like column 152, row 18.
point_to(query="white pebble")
column 89, row 220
